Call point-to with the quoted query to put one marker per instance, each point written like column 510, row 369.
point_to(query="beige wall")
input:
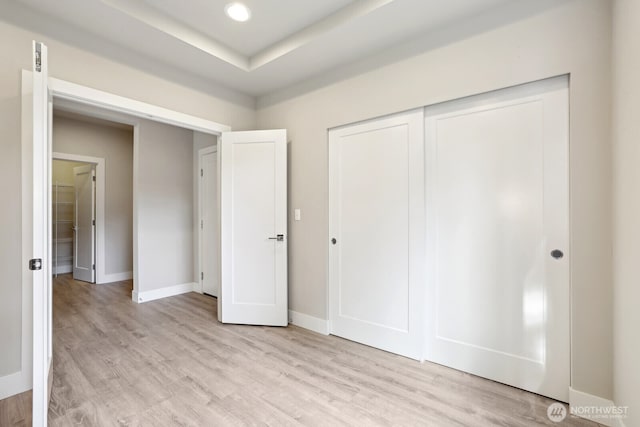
column 626, row 181
column 62, row 171
column 115, row 145
column 571, row 37
column 89, row 69
column 165, row 206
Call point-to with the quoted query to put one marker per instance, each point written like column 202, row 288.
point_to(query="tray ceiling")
column 285, row 43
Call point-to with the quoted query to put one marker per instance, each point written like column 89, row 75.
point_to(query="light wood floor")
column 16, row 410
column 170, row 363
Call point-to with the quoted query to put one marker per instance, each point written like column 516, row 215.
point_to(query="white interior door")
column 253, row 168
column 498, row 298
column 40, row 217
column 84, row 224
column 209, row 241
column 376, row 226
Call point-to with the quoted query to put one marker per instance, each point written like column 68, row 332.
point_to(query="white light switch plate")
column 297, row 214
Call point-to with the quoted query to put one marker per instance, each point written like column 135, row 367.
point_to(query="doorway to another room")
column 91, row 198
column 73, row 219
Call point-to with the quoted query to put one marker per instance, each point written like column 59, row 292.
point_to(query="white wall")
column 115, row 145
column 626, row 181
column 165, row 207
column 567, row 37
column 89, row 69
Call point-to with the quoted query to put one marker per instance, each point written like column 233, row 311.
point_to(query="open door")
column 84, row 238
column 253, row 171
column 209, row 242
column 41, row 261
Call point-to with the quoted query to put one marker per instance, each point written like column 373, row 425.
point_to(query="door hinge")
column 38, row 57
column 202, row 224
column 94, row 222
column 94, row 179
column 35, row 264
column 201, row 172
column 201, row 276
column 93, row 267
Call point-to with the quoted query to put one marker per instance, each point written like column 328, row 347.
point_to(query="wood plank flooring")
column 16, row 410
column 170, row 363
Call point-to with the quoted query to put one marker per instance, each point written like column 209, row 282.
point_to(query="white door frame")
column 111, row 103
column 201, row 152
column 101, row 243
column 88, row 97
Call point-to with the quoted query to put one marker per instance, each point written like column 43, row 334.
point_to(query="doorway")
column 74, row 219
column 107, row 148
column 43, row 91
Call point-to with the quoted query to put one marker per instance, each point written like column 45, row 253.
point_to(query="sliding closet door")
column 376, row 226
column 498, row 240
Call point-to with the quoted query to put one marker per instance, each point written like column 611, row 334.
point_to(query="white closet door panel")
column 498, row 303
column 377, row 210
column 375, row 227
column 490, row 224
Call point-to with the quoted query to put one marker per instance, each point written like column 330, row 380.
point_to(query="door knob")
column 279, row 238
column 334, row 241
column 557, row 253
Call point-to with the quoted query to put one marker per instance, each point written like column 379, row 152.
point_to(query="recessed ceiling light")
column 237, row 12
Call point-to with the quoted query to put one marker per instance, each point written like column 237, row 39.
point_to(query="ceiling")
column 285, row 43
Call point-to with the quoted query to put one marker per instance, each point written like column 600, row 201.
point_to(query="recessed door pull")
column 557, row 253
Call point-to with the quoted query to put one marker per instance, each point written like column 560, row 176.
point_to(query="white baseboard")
column 169, row 291
column 579, row 399
column 13, row 384
column 116, row 277
column 63, row 269
column 197, row 287
column 314, row 324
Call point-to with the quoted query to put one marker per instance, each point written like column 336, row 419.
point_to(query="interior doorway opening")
column 92, row 177
column 73, row 219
